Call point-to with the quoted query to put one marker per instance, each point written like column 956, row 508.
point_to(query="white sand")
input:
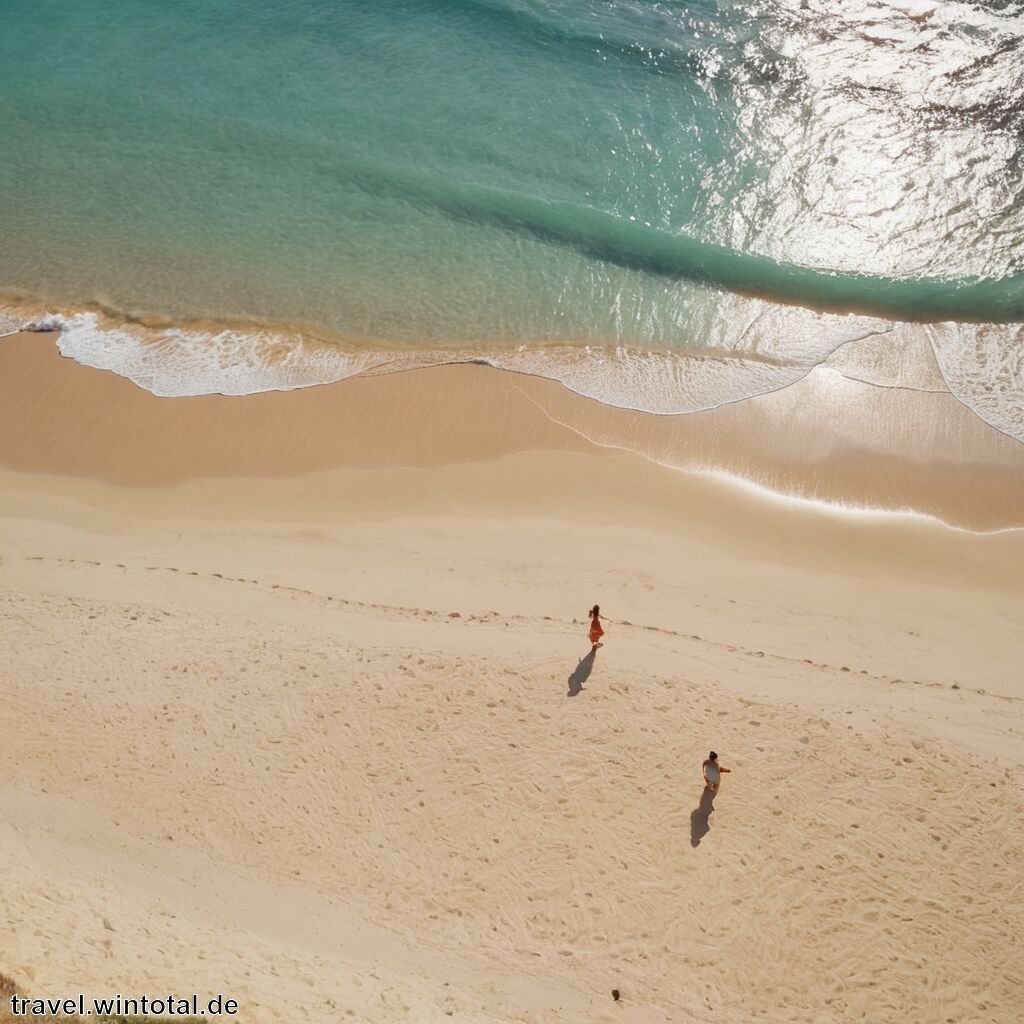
column 308, row 743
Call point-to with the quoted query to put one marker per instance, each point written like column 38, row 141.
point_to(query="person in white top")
column 713, row 772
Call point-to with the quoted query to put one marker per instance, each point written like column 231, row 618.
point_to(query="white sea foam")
column 175, row 362
column 748, row 347
column 665, row 383
column 982, row 365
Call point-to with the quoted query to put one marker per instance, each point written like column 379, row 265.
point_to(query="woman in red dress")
column 596, row 629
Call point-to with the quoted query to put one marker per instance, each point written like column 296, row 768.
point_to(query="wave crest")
column 633, row 245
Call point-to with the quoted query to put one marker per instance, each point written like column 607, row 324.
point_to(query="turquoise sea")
column 696, row 200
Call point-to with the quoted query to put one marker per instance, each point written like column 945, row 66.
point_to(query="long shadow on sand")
column 699, row 824
column 581, row 673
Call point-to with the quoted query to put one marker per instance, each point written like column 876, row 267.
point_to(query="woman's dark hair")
column 596, row 610
column 712, row 756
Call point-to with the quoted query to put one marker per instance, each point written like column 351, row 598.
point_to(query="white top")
column 713, row 773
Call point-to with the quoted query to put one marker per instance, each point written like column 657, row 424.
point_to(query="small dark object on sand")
column 615, row 994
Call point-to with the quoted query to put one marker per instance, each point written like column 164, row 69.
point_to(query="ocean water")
column 665, row 204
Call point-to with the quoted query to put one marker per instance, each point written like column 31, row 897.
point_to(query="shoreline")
column 888, row 452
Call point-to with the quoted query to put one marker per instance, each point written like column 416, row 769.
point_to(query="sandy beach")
column 298, row 706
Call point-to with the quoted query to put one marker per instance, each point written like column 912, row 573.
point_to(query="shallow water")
column 701, row 192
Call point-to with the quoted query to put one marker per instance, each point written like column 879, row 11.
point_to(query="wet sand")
column 828, row 437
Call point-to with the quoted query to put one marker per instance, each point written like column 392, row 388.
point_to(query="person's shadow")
column 699, row 824
column 582, row 672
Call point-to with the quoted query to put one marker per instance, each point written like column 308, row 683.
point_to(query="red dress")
column 596, row 631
